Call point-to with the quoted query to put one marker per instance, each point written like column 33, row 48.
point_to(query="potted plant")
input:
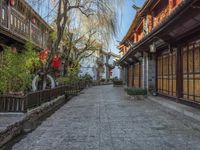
column 117, row 83
column 136, row 93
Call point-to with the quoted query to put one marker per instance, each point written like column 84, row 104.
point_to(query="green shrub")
column 70, row 79
column 16, row 69
column 117, row 82
column 102, row 80
column 86, row 77
column 63, row 80
column 136, row 91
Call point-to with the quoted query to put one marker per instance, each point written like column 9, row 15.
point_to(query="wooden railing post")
column 25, row 103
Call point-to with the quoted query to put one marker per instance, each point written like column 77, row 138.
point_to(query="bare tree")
column 102, row 11
column 78, row 46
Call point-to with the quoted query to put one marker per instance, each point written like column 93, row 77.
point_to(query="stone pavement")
column 102, row 118
column 7, row 119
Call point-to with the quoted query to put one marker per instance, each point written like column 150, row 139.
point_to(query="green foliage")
column 103, row 80
column 136, row 91
column 86, row 77
column 72, row 75
column 16, row 69
column 53, row 36
column 69, row 79
column 73, row 72
column 31, row 59
column 117, row 82
column 63, row 80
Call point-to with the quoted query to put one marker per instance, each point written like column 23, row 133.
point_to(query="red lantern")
column 56, row 62
column 12, row 2
column 43, row 55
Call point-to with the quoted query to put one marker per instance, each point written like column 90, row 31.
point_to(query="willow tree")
column 87, row 13
column 78, row 46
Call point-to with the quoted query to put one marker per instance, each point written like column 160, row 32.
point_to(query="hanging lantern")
column 43, row 55
column 12, row 2
column 152, row 48
column 56, row 62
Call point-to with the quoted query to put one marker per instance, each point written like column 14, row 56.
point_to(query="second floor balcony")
column 27, row 26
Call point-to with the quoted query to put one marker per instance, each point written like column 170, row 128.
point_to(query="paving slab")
column 7, row 119
column 102, row 118
column 184, row 109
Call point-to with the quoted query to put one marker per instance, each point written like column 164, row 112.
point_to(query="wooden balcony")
column 21, row 27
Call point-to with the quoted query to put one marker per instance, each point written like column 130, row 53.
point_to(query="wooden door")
column 137, row 74
column 191, row 72
column 166, row 74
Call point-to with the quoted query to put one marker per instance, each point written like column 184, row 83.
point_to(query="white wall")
column 88, row 66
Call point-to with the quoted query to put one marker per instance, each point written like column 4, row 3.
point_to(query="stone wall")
column 28, row 123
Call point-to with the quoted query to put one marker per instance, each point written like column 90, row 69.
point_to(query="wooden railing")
column 20, row 25
column 34, row 99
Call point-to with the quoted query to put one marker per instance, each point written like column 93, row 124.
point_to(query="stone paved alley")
column 102, row 118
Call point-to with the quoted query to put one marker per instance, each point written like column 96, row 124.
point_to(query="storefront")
column 166, row 73
column 135, row 75
column 170, row 52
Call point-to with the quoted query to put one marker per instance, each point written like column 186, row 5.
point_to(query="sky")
column 125, row 19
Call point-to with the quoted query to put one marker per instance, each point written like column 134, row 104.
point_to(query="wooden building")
column 19, row 23
column 163, row 41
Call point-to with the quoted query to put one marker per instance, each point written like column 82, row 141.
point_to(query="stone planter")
column 136, row 97
column 114, row 85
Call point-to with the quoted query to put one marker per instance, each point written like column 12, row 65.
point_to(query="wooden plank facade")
column 20, row 23
column 135, row 75
column 166, row 73
column 191, row 72
column 157, row 36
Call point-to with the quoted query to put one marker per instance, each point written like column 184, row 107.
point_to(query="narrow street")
column 102, row 118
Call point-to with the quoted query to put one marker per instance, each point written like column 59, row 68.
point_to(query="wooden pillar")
column 156, row 72
column 131, row 75
column 179, row 75
column 126, row 74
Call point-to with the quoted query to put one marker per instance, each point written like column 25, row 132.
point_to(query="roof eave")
column 162, row 26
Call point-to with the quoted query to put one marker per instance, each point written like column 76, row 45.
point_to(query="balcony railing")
column 17, row 24
column 161, row 16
